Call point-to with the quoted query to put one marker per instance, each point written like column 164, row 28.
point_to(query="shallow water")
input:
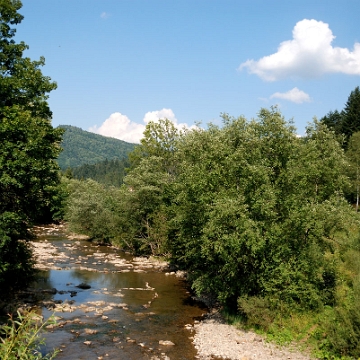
column 123, row 315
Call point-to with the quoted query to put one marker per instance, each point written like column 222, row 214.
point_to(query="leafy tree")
column 148, row 188
column 21, row 81
column 144, row 216
column 134, row 216
column 160, row 140
column 90, row 209
column 29, row 147
column 254, row 206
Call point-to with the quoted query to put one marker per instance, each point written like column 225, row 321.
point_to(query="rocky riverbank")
column 212, row 337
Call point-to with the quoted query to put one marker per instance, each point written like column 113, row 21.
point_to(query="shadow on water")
column 123, row 315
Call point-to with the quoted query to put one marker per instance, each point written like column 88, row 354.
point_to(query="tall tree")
column 154, row 169
column 351, row 114
column 346, row 122
column 353, row 156
column 333, row 120
column 160, row 140
column 29, row 147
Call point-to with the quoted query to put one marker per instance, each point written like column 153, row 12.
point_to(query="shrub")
column 20, row 338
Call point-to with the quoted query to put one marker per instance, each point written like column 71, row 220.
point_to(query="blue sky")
column 121, row 63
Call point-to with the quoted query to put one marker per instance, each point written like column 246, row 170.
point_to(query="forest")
column 82, row 147
column 263, row 221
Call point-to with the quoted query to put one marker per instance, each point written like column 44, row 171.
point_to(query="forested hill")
column 107, row 172
column 83, row 147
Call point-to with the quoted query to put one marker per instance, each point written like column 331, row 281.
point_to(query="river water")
column 126, row 308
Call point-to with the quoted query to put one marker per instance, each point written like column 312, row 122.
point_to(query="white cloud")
column 309, row 54
column 295, row 95
column 166, row 114
column 104, row 15
column 119, row 126
column 160, row 114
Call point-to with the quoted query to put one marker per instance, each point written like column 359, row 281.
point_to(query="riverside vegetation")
column 29, row 175
column 259, row 218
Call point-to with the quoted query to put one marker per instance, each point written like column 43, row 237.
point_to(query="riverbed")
column 109, row 304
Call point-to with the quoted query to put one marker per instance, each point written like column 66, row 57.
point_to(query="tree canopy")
column 29, row 147
column 254, row 214
column 347, row 121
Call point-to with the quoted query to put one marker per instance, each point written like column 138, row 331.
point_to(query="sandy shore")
column 215, row 339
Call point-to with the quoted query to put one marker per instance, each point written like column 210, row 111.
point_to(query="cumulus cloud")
column 309, row 54
column 119, row 126
column 295, row 95
column 166, row 114
column 160, row 114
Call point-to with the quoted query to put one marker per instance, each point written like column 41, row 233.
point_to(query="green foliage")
column 108, row 172
column 257, row 311
column 160, row 140
column 147, row 193
column 29, row 173
column 15, row 255
column 21, row 338
column 255, row 214
column 134, row 216
column 21, row 81
column 253, row 207
column 144, row 213
column 353, row 171
column 90, row 209
column 29, row 146
column 351, row 117
column 83, row 147
column 346, row 122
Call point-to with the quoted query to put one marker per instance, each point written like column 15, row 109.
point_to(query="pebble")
column 166, row 343
column 215, row 338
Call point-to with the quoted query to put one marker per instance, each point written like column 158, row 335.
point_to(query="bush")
column 20, row 338
column 257, row 311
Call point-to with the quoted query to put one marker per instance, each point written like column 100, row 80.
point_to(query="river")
column 110, row 305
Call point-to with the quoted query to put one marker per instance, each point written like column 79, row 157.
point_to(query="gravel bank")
column 215, row 339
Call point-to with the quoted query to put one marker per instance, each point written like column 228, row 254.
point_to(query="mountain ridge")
column 83, row 147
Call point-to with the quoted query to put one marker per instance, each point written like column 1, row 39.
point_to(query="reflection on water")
column 123, row 315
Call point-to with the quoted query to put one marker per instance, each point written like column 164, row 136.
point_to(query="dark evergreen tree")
column 107, row 172
column 346, row 122
column 333, row 120
column 351, row 115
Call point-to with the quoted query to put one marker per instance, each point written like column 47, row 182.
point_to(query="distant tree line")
column 107, row 172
